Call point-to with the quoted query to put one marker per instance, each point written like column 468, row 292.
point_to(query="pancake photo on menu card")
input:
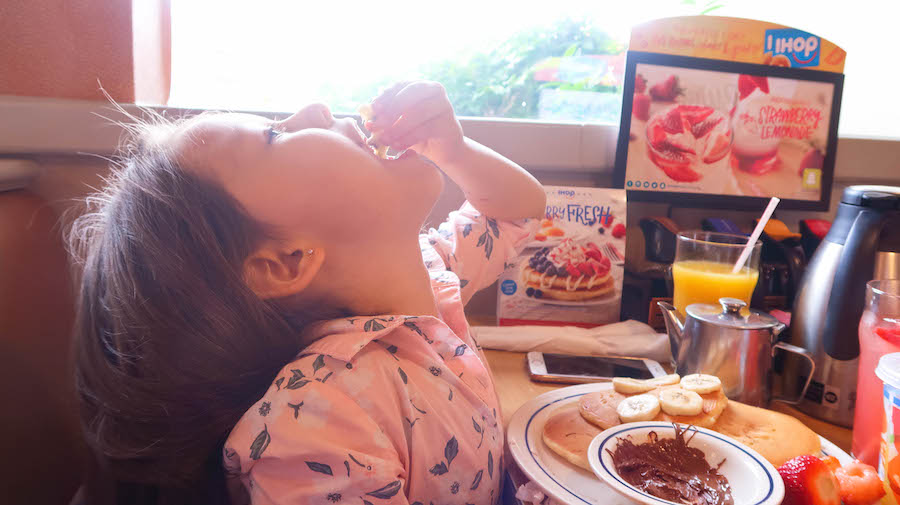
column 570, row 273
column 780, row 134
column 681, row 132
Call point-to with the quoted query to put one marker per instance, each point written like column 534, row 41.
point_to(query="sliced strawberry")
column 601, row 267
column 701, row 129
column 672, row 122
column 746, row 85
column 675, row 164
column 812, row 159
column 592, row 246
column 717, row 148
column 619, row 231
column 808, row 481
column 640, row 107
column 574, row 272
column 695, row 113
column 656, row 135
column 678, row 144
column 594, row 254
column 585, row 268
column 892, row 335
column 640, row 84
column 762, row 82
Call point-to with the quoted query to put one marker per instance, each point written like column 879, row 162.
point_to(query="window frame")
column 32, row 127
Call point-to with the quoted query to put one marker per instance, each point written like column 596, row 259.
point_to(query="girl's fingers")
column 385, row 97
column 422, row 133
column 415, row 117
column 405, row 99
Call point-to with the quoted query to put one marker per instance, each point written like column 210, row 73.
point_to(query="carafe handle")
column 812, row 368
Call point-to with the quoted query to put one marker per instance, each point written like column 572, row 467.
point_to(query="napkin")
column 628, row 338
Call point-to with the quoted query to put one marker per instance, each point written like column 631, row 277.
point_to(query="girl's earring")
column 298, row 252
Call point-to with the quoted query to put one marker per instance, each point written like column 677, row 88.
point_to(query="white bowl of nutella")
column 659, row 463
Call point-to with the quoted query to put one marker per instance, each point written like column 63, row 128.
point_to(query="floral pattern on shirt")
column 388, row 409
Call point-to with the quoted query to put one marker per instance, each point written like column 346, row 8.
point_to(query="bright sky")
column 279, row 54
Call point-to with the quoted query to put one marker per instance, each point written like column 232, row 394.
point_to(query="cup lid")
column 729, row 315
column 888, row 369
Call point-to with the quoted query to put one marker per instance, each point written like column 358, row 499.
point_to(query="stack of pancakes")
column 777, row 437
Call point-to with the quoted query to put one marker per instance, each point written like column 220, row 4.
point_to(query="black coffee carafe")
column 862, row 244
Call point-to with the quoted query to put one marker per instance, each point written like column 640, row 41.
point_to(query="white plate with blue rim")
column 752, row 479
column 561, row 480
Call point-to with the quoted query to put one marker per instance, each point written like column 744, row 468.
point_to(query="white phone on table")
column 562, row 368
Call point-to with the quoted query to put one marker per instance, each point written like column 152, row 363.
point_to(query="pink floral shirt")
column 388, row 409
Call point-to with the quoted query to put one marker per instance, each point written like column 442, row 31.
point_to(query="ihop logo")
column 566, row 192
column 801, row 48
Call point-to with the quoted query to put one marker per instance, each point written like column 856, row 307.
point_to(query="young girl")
column 258, row 311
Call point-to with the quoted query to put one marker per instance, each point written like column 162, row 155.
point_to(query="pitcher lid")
column 728, row 314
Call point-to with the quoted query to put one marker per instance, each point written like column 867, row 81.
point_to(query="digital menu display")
column 716, row 130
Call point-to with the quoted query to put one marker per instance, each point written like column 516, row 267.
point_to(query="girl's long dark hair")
column 171, row 346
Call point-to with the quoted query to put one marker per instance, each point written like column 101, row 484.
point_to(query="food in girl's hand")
column 671, row 470
column 808, row 481
column 667, row 90
column 859, row 484
column 569, row 271
column 368, row 114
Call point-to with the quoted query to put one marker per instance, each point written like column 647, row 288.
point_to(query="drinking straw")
column 755, row 235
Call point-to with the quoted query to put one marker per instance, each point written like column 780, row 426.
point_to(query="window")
column 544, row 60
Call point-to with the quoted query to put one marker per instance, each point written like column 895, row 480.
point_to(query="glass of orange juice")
column 702, row 269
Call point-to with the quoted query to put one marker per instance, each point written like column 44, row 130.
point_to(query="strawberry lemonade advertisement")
column 571, row 271
column 761, row 122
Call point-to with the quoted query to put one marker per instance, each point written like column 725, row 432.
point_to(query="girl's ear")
column 273, row 271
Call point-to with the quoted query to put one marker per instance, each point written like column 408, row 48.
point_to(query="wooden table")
column 514, row 388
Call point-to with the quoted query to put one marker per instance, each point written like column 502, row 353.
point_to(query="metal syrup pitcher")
column 736, row 347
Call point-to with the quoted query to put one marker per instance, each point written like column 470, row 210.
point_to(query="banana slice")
column 679, row 402
column 629, row 386
column 366, row 112
column 665, row 380
column 638, row 408
column 701, row 383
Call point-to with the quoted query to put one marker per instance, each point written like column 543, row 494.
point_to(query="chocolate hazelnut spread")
column 671, row 470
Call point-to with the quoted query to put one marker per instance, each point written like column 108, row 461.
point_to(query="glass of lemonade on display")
column 879, row 334
column 703, row 265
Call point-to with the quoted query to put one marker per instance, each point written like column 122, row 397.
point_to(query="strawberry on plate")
column 809, row 481
column 859, row 484
column 640, row 106
column 667, row 90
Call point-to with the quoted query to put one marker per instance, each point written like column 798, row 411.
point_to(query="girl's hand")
column 417, row 115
